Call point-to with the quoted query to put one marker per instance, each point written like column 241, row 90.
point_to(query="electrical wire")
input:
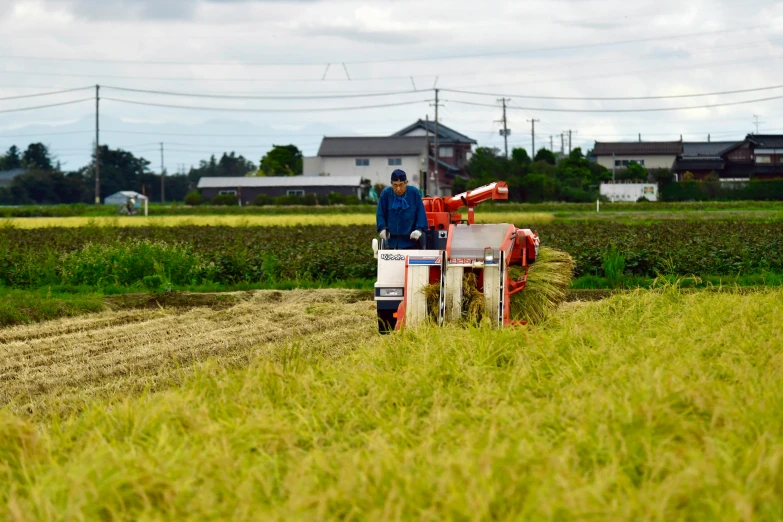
column 46, row 106
column 619, row 98
column 228, row 109
column 19, row 97
column 647, row 109
column 399, row 59
column 264, row 97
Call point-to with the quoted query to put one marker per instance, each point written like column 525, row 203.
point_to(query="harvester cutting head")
column 457, row 247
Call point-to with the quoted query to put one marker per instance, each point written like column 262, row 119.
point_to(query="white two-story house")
column 372, row 158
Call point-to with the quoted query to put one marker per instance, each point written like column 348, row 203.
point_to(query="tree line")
column 41, row 179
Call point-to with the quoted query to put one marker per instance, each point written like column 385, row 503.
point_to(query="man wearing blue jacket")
column 401, row 218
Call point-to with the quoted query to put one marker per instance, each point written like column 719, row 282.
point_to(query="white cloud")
column 561, row 48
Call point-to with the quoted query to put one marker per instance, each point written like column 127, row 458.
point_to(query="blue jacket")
column 401, row 222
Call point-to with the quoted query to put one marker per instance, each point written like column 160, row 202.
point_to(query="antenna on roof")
column 326, row 71
column 414, row 84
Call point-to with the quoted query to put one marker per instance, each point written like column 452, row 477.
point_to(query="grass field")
column 288, row 220
column 649, row 405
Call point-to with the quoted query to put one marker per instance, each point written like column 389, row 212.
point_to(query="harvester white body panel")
column 460, row 247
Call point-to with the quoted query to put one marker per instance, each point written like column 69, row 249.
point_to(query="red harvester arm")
column 497, row 191
column 441, row 211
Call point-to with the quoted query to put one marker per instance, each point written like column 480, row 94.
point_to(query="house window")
column 625, row 163
column 446, row 152
column 232, row 192
column 299, row 193
column 362, row 162
column 763, row 159
column 395, row 162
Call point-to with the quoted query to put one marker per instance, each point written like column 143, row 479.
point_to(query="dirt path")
column 57, row 364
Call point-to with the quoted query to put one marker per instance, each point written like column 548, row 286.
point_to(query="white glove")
column 415, row 235
column 384, row 235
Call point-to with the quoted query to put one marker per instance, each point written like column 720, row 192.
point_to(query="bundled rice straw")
column 548, row 279
column 547, row 282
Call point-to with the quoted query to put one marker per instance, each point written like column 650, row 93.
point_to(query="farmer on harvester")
column 401, row 218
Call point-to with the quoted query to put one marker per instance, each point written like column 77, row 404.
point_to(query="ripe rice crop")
column 645, row 406
column 288, row 220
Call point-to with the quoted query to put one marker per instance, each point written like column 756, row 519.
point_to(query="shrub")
column 262, row 200
column 288, row 200
column 351, row 200
column 614, row 267
column 153, row 264
column 193, row 199
column 310, row 199
column 336, row 199
column 225, row 199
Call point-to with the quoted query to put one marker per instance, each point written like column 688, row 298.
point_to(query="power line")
column 45, row 93
column 228, row 109
column 620, row 98
column 264, row 97
column 46, row 106
column 647, row 109
column 392, row 60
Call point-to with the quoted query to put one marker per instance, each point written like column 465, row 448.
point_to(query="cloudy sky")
column 207, row 76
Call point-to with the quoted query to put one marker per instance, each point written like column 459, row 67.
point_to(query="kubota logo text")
column 393, row 257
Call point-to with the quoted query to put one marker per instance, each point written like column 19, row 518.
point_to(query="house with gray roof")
column 7, row 176
column 649, row 154
column 247, row 188
column 410, row 149
column 373, row 158
column 758, row 156
column 454, row 152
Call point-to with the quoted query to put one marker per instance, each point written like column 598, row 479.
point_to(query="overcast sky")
column 567, row 48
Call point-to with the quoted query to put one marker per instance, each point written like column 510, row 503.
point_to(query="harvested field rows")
column 113, row 353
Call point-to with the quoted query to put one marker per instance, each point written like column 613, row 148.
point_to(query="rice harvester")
column 452, row 247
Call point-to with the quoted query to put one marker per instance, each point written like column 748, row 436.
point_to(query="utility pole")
column 427, row 168
column 162, row 176
column 97, row 147
column 505, row 132
column 437, row 152
column 533, row 137
column 551, row 143
column 569, row 142
column 562, row 144
column 756, row 121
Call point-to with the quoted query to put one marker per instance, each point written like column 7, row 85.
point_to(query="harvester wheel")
column 386, row 321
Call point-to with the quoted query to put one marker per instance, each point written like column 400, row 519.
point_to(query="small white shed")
column 122, row 197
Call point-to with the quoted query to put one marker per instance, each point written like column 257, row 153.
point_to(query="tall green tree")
column 282, row 160
column 37, row 157
column 545, row 155
column 11, row 159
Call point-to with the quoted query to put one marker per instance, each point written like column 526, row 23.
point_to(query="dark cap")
column 399, row 175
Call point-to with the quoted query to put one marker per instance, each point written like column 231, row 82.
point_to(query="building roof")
column 446, row 166
column 445, row 134
column 280, row 181
column 124, row 195
column 699, row 163
column 9, row 175
column 373, row 146
column 646, row 148
column 767, row 141
column 706, row 148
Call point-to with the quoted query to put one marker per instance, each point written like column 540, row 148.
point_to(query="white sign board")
column 629, row 191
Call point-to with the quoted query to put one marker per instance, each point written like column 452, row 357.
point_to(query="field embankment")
column 648, row 405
